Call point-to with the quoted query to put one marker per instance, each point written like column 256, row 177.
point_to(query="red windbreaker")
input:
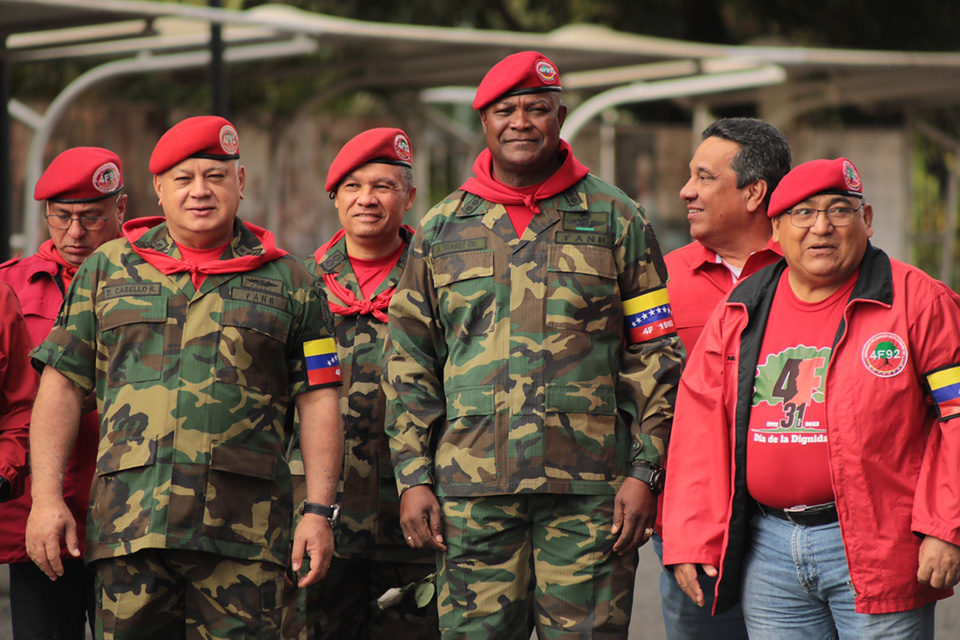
column 895, row 465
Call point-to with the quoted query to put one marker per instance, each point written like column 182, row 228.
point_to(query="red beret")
column 81, row 174
column 209, row 137
column 811, row 178
column 524, row 72
column 384, row 145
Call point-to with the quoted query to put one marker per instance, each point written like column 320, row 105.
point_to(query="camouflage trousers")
column 497, row 546
column 167, row 594
column 342, row 606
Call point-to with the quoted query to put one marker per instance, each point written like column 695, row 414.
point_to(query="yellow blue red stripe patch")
column 944, row 387
column 322, row 361
column 648, row 316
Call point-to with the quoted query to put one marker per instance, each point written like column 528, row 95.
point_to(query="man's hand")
column 686, row 577
column 634, row 514
column 49, row 520
column 939, row 563
column 314, row 535
column 420, row 518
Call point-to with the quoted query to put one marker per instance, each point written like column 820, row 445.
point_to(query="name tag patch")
column 133, row 289
column 456, row 246
column 257, row 296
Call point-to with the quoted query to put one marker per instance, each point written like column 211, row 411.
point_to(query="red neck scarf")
column 488, row 188
column 375, row 307
column 167, row 264
column 49, row 251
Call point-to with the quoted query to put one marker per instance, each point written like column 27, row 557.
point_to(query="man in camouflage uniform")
column 371, row 183
column 532, row 372
column 198, row 335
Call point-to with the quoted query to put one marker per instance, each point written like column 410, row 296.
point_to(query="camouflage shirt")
column 507, row 369
column 370, row 506
column 193, row 390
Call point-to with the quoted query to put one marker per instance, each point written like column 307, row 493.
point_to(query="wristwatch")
column 329, row 511
column 652, row 475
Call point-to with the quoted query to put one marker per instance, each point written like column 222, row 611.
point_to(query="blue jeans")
column 796, row 586
column 683, row 620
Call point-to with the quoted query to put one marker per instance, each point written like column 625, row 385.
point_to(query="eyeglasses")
column 838, row 216
column 90, row 223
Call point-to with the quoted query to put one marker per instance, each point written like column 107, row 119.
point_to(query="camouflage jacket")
column 507, row 369
column 193, row 391
column 370, row 506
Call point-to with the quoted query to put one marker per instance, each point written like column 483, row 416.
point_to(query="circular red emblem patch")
column 402, row 147
column 229, row 140
column 106, row 179
column 850, row 176
column 884, row 355
column 546, row 72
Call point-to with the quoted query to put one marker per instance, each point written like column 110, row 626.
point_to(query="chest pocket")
column 132, row 331
column 465, row 290
column 582, row 292
column 252, row 351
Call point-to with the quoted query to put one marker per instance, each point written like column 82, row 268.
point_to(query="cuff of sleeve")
column 646, row 449
column 413, row 473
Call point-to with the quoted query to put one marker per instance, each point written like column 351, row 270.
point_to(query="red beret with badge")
column 524, row 72
column 81, row 174
column 382, row 145
column 812, row 178
column 210, row 137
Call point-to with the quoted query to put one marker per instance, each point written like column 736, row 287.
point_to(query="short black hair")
column 764, row 150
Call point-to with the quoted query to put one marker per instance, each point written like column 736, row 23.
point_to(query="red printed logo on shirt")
column 884, row 355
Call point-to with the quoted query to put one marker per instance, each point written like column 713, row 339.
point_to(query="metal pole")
column 6, row 192
column 218, row 73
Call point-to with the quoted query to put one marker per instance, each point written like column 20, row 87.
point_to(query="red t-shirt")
column 787, row 456
column 520, row 215
column 370, row 273
column 199, row 256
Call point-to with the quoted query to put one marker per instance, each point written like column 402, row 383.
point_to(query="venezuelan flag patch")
column 648, row 316
column 323, row 363
column 945, row 390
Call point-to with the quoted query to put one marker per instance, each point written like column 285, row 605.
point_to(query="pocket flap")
column 473, row 401
column 244, row 461
column 600, row 400
column 128, row 454
column 579, row 258
column 457, row 267
column 123, row 312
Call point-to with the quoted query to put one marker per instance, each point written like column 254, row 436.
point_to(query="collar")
column 874, row 284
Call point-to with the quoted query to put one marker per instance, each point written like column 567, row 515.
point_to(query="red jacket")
column 895, row 468
column 37, row 284
column 696, row 286
column 18, row 388
column 698, row 283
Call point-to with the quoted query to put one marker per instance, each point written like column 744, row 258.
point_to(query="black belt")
column 806, row 516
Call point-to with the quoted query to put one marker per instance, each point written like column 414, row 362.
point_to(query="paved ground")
column 647, row 623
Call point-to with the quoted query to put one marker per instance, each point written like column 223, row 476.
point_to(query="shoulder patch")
column 648, row 316
column 944, row 385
